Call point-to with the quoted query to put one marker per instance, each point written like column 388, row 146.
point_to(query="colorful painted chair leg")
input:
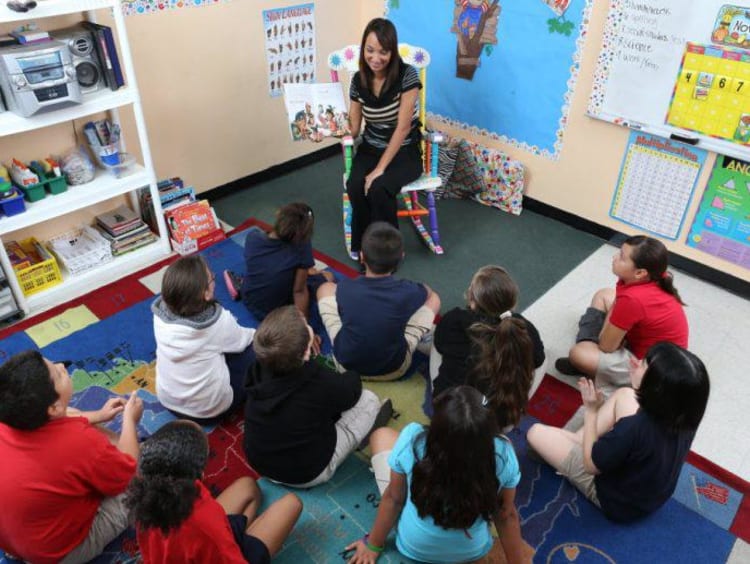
column 347, row 207
column 426, row 237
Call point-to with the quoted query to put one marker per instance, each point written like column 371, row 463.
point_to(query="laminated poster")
column 289, row 35
column 656, row 184
column 722, row 223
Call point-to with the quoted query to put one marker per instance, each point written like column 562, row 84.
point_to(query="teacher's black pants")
column 380, row 202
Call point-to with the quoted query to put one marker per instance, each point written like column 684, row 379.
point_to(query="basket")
column 39, row 276
column 81, row 249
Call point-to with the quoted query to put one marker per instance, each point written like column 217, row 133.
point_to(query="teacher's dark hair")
column 387, row 36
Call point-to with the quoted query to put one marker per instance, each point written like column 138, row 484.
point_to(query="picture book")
column 315, row 111
column 191, row 220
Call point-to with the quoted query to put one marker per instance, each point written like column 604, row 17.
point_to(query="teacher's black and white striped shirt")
column 381, row 112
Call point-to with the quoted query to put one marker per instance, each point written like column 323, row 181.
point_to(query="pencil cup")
column 107, row 155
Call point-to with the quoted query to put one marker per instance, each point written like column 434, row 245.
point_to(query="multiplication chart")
column 656, row 183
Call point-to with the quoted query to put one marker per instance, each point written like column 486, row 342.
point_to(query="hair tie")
column 484, row 401
column 665, row 275
column 505, row 315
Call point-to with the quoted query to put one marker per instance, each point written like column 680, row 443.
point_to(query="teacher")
column 385, row 92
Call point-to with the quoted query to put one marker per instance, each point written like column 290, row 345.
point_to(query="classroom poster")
column 505, row 70
column 289, row 35
column 722, row 223
column 656, row 184
column 137, row 7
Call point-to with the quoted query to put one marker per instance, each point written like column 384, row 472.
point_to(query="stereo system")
column 41, row 76
column 34, row 78
column 81, row 44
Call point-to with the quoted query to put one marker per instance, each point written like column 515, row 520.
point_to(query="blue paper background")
column 519, row 90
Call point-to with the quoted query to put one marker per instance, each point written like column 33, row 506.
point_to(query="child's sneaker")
column 234, row 283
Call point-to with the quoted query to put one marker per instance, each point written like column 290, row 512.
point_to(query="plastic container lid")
column 123, row 167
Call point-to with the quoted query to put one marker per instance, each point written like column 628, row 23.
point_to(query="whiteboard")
column 642, row 49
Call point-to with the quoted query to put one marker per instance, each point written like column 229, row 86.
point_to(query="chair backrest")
column 347, row 59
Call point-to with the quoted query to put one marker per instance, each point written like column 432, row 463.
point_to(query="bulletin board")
column 712, row 94
column 643, row 47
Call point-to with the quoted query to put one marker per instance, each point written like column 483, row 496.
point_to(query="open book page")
column 315, row 111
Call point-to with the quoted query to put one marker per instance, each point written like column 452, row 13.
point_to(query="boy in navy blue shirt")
column 376, row 321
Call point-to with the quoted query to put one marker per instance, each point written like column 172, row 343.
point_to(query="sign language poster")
column 290, row 46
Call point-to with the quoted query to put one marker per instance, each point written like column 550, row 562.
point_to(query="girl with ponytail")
column 177, row 520
column 488, row 346
column 623, row 322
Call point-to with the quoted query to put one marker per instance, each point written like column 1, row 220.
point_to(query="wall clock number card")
column 656, row 183
column 712, row 93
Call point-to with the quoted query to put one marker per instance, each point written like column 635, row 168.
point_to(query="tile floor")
column 719, row 335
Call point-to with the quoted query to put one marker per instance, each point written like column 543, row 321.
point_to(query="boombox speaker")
column 82, row 49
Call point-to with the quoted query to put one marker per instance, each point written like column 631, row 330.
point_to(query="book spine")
column 109, row 40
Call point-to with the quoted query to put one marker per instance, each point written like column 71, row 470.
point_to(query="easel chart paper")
column 656, row 184
column 722, row 223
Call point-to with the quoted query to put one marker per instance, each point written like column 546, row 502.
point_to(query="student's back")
column 374, row 313
column 270, row 268
column 290, row 419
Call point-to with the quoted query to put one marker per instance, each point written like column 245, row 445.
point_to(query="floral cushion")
column 503, row 178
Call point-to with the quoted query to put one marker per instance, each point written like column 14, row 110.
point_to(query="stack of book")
column 124, row 230
column 193, row 226
column 172, row 192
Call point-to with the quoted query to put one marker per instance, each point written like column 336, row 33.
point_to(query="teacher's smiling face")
column 376, row 57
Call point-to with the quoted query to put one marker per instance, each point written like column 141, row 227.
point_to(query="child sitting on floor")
column 279, row 266
column 442, row 485
column 61, row 479
column 488, row 346
column 301, row 419
column 627, row 457
column 177, row 520
column 376, row 321
column 202, row 353
column 622, row 323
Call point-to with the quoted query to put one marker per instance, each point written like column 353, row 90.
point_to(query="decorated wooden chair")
column 347, row 60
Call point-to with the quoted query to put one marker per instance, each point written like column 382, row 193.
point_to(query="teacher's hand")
column 370, row 178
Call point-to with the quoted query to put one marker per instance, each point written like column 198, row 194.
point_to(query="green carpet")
column 537, row 251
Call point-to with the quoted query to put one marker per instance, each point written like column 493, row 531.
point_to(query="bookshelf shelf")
column 73, row 286
column 96, row 102
column 104, row 186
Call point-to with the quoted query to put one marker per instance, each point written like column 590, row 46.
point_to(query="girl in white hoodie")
column 202, row 353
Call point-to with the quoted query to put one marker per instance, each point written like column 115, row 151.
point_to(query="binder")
column 107, row 51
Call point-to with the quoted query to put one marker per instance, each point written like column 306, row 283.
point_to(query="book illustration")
column 191, row 220
column 718, row 203
column 316, row 111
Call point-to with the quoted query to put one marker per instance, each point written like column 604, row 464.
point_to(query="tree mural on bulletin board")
column 505, row 69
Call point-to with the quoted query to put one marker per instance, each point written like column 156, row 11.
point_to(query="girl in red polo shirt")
column 178, row 521
column 622, row 323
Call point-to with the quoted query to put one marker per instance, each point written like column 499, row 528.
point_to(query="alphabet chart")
column 656, row 184
column 712, row 93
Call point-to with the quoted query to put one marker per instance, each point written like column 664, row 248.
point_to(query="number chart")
column 656, row 184
column 712, row 93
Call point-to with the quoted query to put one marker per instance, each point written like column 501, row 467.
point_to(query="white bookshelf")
column 104, row 186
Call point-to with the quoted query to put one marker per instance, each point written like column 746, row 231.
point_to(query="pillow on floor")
column 467, row 178
column 503, row 179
